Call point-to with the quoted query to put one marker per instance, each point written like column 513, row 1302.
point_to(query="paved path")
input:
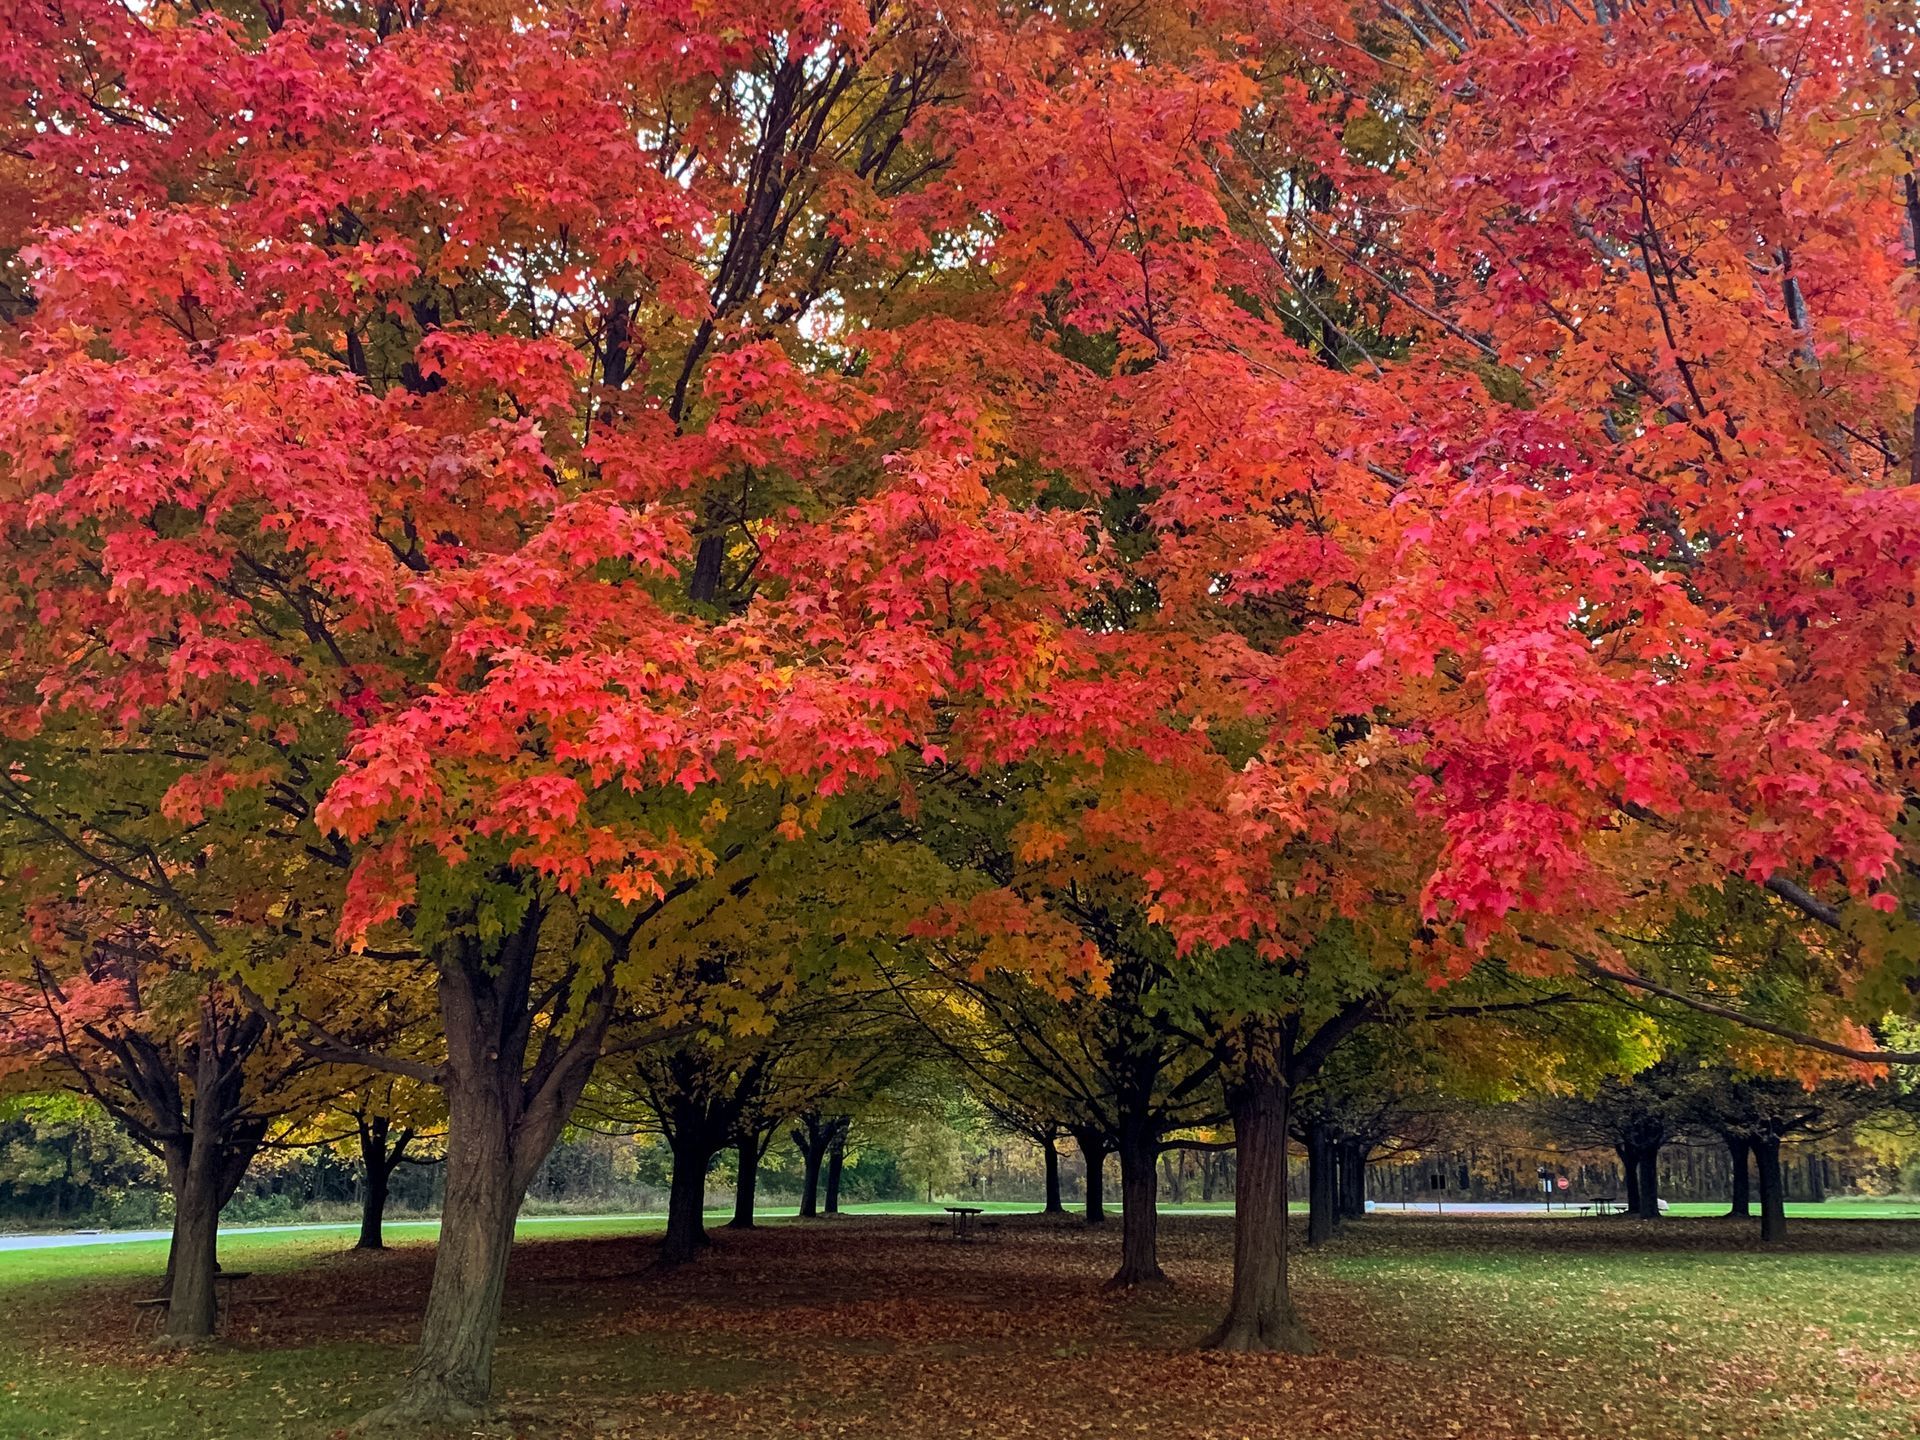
column 61, row 1239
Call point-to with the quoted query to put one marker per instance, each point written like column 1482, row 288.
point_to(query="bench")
column 151, row 1311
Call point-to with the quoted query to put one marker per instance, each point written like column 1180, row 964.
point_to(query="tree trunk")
column 1052, row 1153
column 1353, row 1180
column 1139, row 1209
column 812, row 1144
column 1320, row 1201
column 747, row 1185
column 686, row 1201
column 1093, row 1152
column 1773, row 1195
column 1649, row 1206
column 1630, row 1164
column 1260, row 1315
column 377, row 1166
column 502, row 1122
column 1739, row 1151
column 836, row 1162
column 191, row 1255
column 452, row 1374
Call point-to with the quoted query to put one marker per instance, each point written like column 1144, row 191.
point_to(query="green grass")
column 1627, row 1330
column 1840, row 1208
column 1763, row 1346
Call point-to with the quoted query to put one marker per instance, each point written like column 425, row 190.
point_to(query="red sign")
column 1562, row 1182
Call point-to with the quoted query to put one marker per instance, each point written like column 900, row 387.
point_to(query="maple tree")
column 190, row 1073
column 487, row 477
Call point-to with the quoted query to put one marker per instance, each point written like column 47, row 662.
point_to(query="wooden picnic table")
column 154, row 1310
column 1599, row 1205
column 961, row 1218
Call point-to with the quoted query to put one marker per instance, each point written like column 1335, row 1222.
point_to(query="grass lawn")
column 864, row 1327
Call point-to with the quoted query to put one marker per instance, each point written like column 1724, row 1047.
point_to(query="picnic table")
column 153, row 1310
column 1601, row 1205
column 961, row 1218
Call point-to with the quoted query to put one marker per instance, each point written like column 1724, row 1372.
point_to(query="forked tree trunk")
column 502, row 1121
column 1773, row 1195
column 836, row 1162
column 747, row 1184
column 1051, row 1152
column 811, row 1141
column 1260, row 1315
column 687, row 1200
column 1739, row 1152
column 1093, row 1153
column 378, row 1164
column 452, row 1374
column 1139, row 1209
column 204, row 1169
column 1320, row 1206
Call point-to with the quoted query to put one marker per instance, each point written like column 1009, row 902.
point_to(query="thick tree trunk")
column 1649, row 1196
column 746, row 1186
column 1320, row 1201
column 1630, row 1166
column 1051, row 1151
column 501, row 1123
column 1093, row 1152
column 1773, row 1195
column 1260, row 1315
column 836, row 1162
column 192, row 1254
column 1139, row 1210
column 452, row 1374
column 686, row 1201
column 1739, row 1152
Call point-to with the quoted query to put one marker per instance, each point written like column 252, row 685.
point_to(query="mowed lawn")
column 864, row 1326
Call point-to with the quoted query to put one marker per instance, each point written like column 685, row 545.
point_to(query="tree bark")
column 1260, row 1314
column 1051, row 1152
column 1320, row 1199
column 747, row 1185
column 373, row 1210
column 1649, row 1197
column 204, row 1168
column 836, row 1162
column 378, row 1163
column 452, row 1374
column 686, row 1200
column 191, row 1256
column 1353, row 1180
column 1630, row 1165
column 1139, row 1209
column 1093, row 1152
column 503, row 1117
column 1773, row 1195
column 811, row 1141
column 1739, row 1152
